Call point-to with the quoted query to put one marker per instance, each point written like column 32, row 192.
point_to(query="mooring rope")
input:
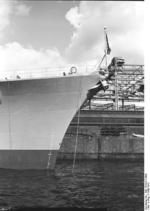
column 76, row 141
column 78, row 122
column 50, row 153
column 9, row 117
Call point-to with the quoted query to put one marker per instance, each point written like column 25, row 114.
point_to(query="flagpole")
column 105, row 46
column 107, row 49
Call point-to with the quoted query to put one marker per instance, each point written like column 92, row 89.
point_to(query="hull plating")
column 34, row 114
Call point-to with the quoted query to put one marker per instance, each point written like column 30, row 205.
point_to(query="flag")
column 108, row 49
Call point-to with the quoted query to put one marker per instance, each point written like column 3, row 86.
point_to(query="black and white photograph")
column 72, row 126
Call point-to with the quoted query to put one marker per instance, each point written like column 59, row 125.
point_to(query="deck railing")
column 25, row 73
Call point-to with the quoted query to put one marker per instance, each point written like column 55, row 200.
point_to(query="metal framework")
column 124, row 90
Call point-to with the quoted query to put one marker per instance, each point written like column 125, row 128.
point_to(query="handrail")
column 30, row 73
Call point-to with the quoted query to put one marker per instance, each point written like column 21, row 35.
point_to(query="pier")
column 107, row 125
column 105, row 135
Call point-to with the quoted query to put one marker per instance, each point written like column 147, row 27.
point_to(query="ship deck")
column 45, row 73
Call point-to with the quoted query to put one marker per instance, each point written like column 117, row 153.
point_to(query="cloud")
column 124, row 21
column 21, row 9
column 9, row 9
column 74, row 17
column 5, row 11
column 15, row 57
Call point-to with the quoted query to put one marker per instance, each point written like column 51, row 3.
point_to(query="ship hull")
column 28, row 159
column 34, row 116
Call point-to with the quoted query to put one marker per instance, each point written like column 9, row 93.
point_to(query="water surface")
column 116, row 185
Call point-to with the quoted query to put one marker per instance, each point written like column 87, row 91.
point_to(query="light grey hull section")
column 34, row 114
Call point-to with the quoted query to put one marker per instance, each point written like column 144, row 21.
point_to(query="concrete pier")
column 105, row 135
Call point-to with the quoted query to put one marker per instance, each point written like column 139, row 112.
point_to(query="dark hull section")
column 28, row 159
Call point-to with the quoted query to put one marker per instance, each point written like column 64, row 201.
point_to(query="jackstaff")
column 108, row 49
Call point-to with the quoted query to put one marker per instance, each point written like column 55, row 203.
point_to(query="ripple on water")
column 94, row 184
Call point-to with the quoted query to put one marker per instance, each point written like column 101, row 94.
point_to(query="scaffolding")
column 125, row 92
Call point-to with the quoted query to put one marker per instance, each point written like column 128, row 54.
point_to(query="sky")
column 39, row 34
